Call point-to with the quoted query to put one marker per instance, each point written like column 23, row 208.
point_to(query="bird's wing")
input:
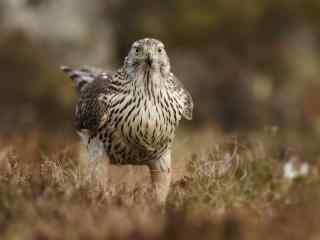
column 92, row 86
column 81, row 77
column 186, row 100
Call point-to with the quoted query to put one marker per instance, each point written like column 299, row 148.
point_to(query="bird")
column 130, row 115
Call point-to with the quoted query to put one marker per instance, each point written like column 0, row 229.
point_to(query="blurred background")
column 252, row 67
column 247, row 64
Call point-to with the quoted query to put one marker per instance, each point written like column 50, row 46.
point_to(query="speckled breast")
column 139, row 129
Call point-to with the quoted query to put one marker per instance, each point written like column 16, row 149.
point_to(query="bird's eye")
column 160, row 50
column 137, row 50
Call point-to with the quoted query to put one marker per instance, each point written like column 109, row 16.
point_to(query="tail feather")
column 81, row 77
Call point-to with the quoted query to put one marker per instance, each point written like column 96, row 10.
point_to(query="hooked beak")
column 149, row 60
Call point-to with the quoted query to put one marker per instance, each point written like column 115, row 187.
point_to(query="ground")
column 226, row 186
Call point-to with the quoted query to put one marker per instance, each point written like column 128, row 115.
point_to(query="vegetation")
column 233, row 188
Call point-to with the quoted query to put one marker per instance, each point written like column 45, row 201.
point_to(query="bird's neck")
column 149, row 81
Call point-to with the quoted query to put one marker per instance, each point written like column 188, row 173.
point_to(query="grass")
column 226, row 188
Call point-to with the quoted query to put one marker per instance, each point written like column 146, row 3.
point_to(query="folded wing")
column 184, row 95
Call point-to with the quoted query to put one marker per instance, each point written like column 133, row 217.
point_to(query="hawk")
column 131, row 115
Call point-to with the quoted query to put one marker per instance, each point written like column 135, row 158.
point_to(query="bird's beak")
column 149, row 59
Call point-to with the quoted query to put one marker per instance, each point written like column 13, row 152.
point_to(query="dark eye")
column 159, row 50
column 137, row 50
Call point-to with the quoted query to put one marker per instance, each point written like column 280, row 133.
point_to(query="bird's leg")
column 98, row 160
column 160, row 171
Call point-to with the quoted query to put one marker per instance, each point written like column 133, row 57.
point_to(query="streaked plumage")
column 134, row 112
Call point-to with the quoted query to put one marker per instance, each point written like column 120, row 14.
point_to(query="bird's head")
column 148, row 54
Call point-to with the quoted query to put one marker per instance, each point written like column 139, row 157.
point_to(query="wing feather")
column 81, row 76
column 184, row 95
column 92, row 86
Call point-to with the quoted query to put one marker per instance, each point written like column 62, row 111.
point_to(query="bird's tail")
column 82, row 76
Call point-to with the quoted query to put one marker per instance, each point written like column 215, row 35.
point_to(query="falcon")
column 130, row 116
